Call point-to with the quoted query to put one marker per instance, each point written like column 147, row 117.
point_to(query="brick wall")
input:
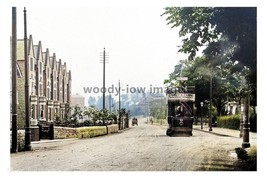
column 83, row 132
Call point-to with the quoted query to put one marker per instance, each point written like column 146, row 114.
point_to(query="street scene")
column 140, row 148
column 126, row 88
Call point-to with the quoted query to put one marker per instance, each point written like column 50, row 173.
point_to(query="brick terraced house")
column 49, row 85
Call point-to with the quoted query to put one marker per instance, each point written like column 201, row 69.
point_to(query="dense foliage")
column 88, row 116
column 227, row 37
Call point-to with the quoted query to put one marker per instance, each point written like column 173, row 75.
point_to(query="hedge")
column 233, row 122
column 230, row 122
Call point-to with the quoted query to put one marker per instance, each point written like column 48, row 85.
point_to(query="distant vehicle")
column 134, row 121
column 180, row 111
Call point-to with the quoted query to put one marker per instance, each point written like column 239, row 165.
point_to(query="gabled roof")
column 30, row 46
column 46, row 58
column 64, row 69
column 38, row 51
column 59, row 66
column 69, row 75
column 35, row 49
column 54, row 62
column 20, row 48
column 44, row 55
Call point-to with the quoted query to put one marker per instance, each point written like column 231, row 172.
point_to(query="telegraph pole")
column 110, row 103
column 27, row 146
column 104, row 70
column 104, row 60
column 119, row 105
column 14, row 147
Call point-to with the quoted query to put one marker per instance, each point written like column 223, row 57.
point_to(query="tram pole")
column 27, row 146
column 14, row 147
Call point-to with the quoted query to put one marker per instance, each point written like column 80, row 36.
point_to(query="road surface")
column 139, row 148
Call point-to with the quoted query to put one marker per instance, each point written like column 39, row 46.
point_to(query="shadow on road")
column 218, row 164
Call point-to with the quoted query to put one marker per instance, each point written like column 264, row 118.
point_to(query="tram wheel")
column 169, row 132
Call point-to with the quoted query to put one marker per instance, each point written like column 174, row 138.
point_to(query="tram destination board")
column 181, row 96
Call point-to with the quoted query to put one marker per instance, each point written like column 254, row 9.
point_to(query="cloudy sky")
column 142, row 48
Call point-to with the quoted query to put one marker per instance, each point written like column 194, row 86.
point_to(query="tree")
column 226, row 85
column 91, row 113
column 91, row 101
column 227, row 34
column 77, row 113
column 67, row 113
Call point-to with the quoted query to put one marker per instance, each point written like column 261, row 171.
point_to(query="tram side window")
column 171, row 110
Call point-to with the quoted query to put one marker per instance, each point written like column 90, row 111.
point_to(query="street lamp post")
column 210, row 119
column 27, row 146
column 245, row 108
column 147, row 113
column 14, row 81
column 241, row 119
column 119, row 105
column 161, row 110
column 104, row 70
column 246, row 143
column 201, row 105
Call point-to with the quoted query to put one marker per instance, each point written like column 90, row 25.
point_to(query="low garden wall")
column 113, row 128
column 84, row 132
column 88, row 132
column 66, row 132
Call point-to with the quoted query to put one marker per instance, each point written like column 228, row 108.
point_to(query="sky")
column 141, row 48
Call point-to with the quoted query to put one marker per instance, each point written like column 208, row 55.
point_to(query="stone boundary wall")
column 83, row 132
column 113, row 128
column 66, row 132
column 89, row 132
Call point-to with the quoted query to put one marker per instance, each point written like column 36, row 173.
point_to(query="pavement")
column 223, row 131
column 47, row 143
column 43, row 144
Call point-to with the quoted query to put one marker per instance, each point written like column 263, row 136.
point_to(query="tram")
column 180, row 111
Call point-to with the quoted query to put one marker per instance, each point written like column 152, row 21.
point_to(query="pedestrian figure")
column 179, row 112
column 151, row 121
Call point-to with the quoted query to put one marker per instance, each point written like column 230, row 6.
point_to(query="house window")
column 47, row 93
column 49, row 114
column 41, row 89
column 41, row 111
column 32, row 111
column 55, row 95
column 62, row 114
column 47, row 73
column 41, row 68
column 32, row 88
column 31, row 64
